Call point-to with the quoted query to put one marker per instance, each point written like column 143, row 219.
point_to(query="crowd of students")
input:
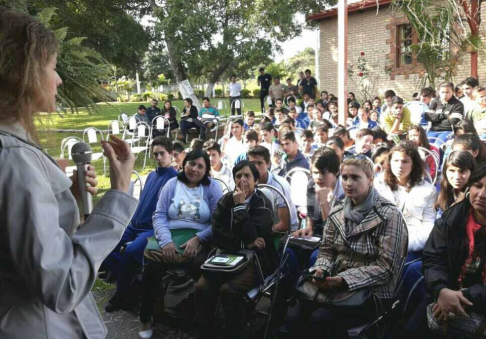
column 393, row 200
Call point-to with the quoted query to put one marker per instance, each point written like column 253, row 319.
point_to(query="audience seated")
column 453, row 263
column 364, row 142
column 218, row 169
column 293, row 157
column 363, row 247
column 178, row 155
column 208, row 114
column 249, row 120
column 242, row 219
column 186, row 202
column 142, row 116
column 478, row 114
column 127, row 257
column 235, row 145
column 307, row 142
column 472, row 144
column 363, row 119
column 444, row 112
column 337, row 144
column 417, row 135
column 170, row 114
column 458, row 167
column 396, row 119
column 189, row 119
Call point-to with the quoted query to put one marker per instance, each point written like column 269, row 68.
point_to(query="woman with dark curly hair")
column 403, row 184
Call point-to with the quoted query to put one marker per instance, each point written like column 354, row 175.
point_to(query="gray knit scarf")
column 354, row 215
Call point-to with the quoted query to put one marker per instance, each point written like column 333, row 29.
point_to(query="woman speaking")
column 48, row 264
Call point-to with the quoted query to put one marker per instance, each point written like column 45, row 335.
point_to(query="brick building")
column 378, row 31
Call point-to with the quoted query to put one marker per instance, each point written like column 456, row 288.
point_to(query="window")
column 406, row 37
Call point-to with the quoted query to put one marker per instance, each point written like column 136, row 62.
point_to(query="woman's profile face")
column 477, row 196
column 51, row 81
column 356, row 184
column 457, row 177
column 195, row 170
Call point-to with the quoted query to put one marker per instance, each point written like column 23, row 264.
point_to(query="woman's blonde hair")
column 363, row 164
column 26, row 47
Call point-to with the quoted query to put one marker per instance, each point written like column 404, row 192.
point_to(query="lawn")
column 51, row 140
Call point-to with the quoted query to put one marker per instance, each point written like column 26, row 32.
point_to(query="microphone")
column 81, row 154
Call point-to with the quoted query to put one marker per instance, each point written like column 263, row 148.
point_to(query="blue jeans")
column 410, row 275
column 124, row 265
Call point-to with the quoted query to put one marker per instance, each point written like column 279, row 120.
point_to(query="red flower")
column 362, row 53
column 360, row 74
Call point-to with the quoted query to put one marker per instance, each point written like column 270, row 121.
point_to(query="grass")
column 51, row 140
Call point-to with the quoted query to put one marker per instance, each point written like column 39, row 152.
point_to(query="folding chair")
column 115, row 127
column 144, row 136
column 123, row 118
column 426, row 153
column 130, row 131
column 133, row 183
column 224, row 185
column 91, row 134
column 160, row 122
column 67, row 145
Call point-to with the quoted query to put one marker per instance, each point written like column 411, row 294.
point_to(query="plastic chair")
column 224, row 185
column 130, row 130
column 417, row 110
column 133, row 183
column 436, row 157
column 123, row 118
column 144, row 136
column 160, row 122
column 67, row 144
column 91, row 134
column 115, row 127
column 299, row 178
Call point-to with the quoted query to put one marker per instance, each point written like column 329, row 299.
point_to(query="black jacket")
column 446, row 251
column 443, row 117
column 191, row 114
column 235, row 226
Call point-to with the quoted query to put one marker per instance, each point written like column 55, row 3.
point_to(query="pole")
column 139, row 90
column 342, row 60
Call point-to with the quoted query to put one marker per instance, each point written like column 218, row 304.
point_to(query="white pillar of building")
column 342, row 60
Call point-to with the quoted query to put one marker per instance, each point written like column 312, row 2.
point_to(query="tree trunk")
column 209, row 89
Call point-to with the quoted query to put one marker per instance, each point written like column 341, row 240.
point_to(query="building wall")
column 369, row 32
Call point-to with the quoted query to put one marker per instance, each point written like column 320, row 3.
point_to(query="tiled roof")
column 352, row 7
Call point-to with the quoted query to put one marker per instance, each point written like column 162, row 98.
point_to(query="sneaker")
column 146, row 331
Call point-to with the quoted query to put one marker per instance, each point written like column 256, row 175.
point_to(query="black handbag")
column 307, row 290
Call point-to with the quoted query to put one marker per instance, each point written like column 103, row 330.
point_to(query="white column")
column 139, row 90
column 342, row 60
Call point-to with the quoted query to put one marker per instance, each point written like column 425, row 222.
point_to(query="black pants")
column 153, row 274
column 201, row 127
column 231, row 292
column 319, row 321
column 232, row 99
column 263, row 95
column 417, row 326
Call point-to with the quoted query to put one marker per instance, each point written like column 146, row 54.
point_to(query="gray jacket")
column 48, row 264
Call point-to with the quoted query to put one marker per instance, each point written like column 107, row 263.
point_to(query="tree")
column 79, row 67
column 302, row 61
column 208, row 37
column 108, row 26
column 442, row 35
column 154, row 64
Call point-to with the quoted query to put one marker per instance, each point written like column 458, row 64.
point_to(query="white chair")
column 215, row 128
column 67, row 144
column 115, row 127
column 224, row 185
column 130, row 134
column 123, row 118
column 436, row 141
column 90, row 136
column 160, row 123
column 299, row 178
column 144, row 136
column 136, row 181
column 286, row 100
column 66, row 147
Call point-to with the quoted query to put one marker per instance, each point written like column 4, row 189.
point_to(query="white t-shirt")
column 234, row 148
column 234, row 89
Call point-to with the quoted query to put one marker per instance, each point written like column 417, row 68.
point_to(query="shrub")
column 256, row 92
column 245, row 93
column 148, row 95
column 179, row 95
column 135, row 98
column 218, row 92
column 170, row 96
